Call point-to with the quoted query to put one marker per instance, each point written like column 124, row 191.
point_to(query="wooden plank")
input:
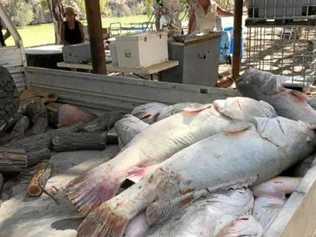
column 77, row 66
column 99, row 91
column 15, row 69
column 11, row 56
column 19, row 79
column 298, row 217
column 147, row 71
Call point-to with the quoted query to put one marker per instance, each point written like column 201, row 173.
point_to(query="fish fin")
column 299, row 95
column 237, row 127
column 89, row 191
column 104, row 222
column 138, row 173
column 190, row 111
column 160, row 211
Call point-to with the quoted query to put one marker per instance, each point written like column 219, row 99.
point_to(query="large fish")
column 271, row 197
column 263, row 150
column 267, row 209
column 127, row 128
column 159, row 142
column 268, row 87
column 207, row 217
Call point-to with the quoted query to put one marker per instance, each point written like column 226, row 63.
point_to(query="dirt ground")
column 43, row 217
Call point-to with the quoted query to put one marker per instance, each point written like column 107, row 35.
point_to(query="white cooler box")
column 141, row 50
column 77, row 53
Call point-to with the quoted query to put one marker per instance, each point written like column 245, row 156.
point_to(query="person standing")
column 205, row 16
column 72, row 29
column 3, row 37
column 167, row 15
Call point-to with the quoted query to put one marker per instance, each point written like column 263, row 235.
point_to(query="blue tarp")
column 227, row 45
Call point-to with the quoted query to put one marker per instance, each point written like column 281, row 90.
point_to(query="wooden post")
column 237, row 38
column 95, row 35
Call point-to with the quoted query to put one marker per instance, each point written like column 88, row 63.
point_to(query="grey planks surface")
column 100, row 91
column 12, row 59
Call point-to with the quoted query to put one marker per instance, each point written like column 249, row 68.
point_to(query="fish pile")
column 200, row 169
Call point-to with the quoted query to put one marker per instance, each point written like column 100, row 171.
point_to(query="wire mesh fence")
column 281, row 38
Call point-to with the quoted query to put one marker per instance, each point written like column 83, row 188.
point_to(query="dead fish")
column 148, row 112
column 263, row 150
column 69, row 115
column 277, row 187
column 268, row 87
column 271, row 197
column 127, row 128
column 159, row 212
column 138, row 227
column 266, row 209
column 245, row 226
column 176, row 108
column 148, row 149
column 208, row 216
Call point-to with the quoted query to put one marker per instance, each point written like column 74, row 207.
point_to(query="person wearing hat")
column 72, row 29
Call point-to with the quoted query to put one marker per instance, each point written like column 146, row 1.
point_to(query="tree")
column 20, row 11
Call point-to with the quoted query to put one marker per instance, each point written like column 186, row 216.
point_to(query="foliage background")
column 25, row 12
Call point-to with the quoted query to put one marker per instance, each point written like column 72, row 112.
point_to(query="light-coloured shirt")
column 206, row 21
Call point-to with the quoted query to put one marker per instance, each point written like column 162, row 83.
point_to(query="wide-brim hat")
column 70, row 11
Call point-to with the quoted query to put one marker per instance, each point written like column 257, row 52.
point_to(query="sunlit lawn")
column 44, row 34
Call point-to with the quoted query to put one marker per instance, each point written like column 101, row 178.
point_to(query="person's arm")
column 192, row 22
column 7, row 35
column 81, row 31
column 223, row 12
column 62, row 34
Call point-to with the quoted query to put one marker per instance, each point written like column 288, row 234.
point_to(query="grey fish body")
column 127, row 128
column 271, row 197
column 267, row 209
column 262, row 150
column 208, row 216
column 268, row 87
column 245, row 226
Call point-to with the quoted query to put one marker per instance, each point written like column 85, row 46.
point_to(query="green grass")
column 44, row 34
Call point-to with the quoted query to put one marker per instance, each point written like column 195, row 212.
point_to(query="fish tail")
column 89, row 191
column 103, row 222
